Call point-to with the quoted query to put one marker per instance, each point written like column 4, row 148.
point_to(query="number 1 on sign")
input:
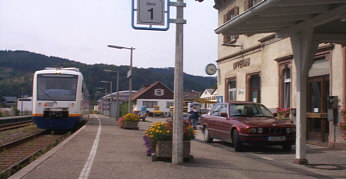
column 151, row 13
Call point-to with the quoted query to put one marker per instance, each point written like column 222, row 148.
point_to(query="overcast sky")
column 80, row 30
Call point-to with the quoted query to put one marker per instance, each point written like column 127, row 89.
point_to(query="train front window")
column 56, row 87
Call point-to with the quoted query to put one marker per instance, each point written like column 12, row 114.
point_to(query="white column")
column 303, row 52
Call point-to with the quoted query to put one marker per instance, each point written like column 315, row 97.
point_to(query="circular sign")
column 210, row 69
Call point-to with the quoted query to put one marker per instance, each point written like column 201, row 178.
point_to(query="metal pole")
column 130, row 83
column 110, row 88
column 110, row 98
column 21, row 110
column 118, row 108
column 177, row 148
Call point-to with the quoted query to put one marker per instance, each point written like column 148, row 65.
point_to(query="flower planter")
column 163, row 149
column 130, row 125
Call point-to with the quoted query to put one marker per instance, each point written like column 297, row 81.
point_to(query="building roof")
column 287, row 17
column 123, row 95
column 211, row 90
column 10, row 98
column 191, row 95
column 147, row 88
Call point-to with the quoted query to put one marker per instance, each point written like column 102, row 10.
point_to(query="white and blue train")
column 59, row 98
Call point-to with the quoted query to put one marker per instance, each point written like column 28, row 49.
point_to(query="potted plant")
column 283, row 113
column 342, row 123
column 129, row 121
column 158, row 139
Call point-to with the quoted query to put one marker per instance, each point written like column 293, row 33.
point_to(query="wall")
column 160, row 102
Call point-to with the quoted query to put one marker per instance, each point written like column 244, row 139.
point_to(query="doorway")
column 317, row 114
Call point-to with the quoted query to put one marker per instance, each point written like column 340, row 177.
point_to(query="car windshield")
column 249, row 110
column 56, row 87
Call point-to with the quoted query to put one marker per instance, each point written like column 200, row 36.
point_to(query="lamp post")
column 103, row 98
column 117, row 84
column 110, row 85
column 129, row 74
column 110, row 95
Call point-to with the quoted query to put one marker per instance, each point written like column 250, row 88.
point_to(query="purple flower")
column 147, row 143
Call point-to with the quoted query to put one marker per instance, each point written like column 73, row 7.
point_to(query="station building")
column 260, row 67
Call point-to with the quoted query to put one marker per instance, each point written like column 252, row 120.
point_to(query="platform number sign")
column 151, row 12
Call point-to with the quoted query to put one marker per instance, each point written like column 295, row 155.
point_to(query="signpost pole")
column 177, row 147
column 151, row 12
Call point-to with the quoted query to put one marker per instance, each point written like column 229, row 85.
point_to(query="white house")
column 152, row 95
column 24, row 104
column 209, row 97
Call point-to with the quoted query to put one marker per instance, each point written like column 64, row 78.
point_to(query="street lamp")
column 117, row 82
column 129, row 74
column 110, row 86
column 99, row 88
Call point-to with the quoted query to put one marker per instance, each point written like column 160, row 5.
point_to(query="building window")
column 284, row 83
column 169, row 104
column 149, row 104
column 230, row 15
column 231, row 89
column 251, row 3
column 158, row 92
column 286, row 87
column 254, row 88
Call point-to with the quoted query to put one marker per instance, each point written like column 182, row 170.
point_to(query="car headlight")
column 288, row 130
column 253, row 130
column 260, row 130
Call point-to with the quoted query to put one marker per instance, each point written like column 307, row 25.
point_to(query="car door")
column 222, row 123
column 214, row 113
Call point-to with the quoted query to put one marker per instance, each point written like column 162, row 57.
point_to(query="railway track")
column 8, row 123
column 15, row 125
column 14, row 156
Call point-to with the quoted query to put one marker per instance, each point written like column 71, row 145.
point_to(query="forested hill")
column 18, row 67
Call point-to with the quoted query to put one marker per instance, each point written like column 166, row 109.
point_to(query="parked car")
column 247, row 122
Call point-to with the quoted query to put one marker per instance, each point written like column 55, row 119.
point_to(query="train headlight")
column 260, row 130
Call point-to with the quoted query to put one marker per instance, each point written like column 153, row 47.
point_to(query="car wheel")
column 287, row 147
column 206, row 135
column 236, row 141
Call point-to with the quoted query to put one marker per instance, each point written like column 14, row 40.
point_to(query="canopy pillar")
column 304, row 48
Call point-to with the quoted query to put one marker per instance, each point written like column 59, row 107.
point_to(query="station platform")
column 101, row 149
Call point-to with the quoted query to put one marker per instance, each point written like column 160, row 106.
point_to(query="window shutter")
column 246, row 5
column 236, row 11
column 225, row 17
column 250, row 3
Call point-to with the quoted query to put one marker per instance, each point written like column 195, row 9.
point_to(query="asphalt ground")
column 121, row 153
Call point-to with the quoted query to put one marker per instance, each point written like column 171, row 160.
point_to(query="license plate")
column 276, row 138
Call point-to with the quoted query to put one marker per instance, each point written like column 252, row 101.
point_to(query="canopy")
column 286, row 17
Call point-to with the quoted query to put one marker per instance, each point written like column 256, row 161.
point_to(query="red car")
column 246, row 122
